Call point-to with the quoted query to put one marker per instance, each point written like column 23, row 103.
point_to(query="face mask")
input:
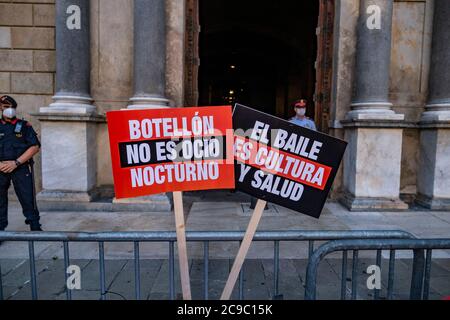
column 9, row 113
column 300, row 111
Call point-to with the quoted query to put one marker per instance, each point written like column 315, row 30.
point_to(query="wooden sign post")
column 243, row 249
column 172, row 150
column 181, row 243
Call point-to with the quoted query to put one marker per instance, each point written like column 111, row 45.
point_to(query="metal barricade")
column 206, row 237
column 421, row 269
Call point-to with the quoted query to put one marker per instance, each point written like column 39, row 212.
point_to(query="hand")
column 7, row 166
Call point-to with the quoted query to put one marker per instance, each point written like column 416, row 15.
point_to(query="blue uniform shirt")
column 15, row 138
column 305, row 122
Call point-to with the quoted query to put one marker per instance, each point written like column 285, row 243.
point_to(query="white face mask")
column 9, row 113
column 300, row 111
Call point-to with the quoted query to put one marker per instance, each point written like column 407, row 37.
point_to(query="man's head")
column 8, row 107
column 300, row 107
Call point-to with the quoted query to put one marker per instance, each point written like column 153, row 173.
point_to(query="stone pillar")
column 149, row 76
column 73, row 58
column 149, row 55
column 373, row 60
column 373, row 130
column 433, row 183
column 68, row 125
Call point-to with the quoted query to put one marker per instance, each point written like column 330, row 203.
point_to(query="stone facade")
column 27, row 71
column 27, row 58
column 412, row 23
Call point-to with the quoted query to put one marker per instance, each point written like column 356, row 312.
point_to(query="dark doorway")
column 258, row 52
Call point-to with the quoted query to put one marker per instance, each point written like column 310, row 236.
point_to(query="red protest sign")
column 173, row 149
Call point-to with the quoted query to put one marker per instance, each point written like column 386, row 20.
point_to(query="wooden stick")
column 242, row 253
column 181, row 242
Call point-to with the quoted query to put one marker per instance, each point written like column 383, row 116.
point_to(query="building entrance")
column 261, row 53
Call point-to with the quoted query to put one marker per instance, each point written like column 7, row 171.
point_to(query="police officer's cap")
column 9, row 101
column 300, row 103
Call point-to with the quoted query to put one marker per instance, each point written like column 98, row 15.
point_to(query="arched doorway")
column 262, row 53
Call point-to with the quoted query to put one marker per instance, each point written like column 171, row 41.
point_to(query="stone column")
column 68, row 125
column 149, row 55
column 373, row 129
column 149, row 76
column 433, row 181
column 73, row 58
column 373, row 61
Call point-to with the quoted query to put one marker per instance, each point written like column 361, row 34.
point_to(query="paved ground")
column 213, row 212
column 219, row 213
column 258, row 279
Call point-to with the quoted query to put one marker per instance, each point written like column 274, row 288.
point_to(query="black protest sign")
column 283, row 163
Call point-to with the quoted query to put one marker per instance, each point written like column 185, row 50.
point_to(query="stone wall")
column 112, row 64
column 346, row 16
column 27, row 57
column 27, row 65
column 27, row 61
column 411, row 46
column 111, row 69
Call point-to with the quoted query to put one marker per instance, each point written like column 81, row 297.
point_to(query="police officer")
column 300, row 118
column 18, row 145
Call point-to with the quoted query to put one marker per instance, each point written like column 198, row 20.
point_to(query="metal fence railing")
column 205, row 237
column 421, row 266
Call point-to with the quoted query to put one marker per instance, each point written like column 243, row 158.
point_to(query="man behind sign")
column 300, row 117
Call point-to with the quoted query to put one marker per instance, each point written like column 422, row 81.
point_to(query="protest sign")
column 172, row 149
column 280, row 162
column 283, row 163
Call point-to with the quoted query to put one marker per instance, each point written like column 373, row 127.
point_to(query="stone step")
column 105, row 206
